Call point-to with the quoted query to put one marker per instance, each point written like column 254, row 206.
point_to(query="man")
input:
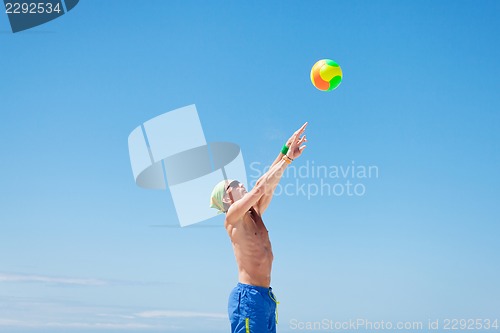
column 252, row 304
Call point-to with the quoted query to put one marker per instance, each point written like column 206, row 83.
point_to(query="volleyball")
column 326, row 75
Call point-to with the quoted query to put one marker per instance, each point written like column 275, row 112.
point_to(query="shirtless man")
column 252, row 304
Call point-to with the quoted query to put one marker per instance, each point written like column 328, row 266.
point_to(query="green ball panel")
column 330, row 62
column 334, row 83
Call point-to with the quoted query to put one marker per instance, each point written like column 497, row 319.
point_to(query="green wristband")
column 284, row 150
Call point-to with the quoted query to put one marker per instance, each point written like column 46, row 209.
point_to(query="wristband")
column 284, row 150
column 287, row 159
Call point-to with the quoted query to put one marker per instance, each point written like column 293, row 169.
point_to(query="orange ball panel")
column 319, row 82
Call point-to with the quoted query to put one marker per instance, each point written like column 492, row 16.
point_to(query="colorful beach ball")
column 326, row 75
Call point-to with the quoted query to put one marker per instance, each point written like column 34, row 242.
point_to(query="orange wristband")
column 287, row 159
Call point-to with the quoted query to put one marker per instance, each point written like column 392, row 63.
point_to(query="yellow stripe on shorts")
column 247, row 325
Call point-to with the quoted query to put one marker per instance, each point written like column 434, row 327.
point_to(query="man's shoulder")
column 234, row 215
column 233, row 220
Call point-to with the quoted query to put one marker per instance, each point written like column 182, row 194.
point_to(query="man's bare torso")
column 252, row 250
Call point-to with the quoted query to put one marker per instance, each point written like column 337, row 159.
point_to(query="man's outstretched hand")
column 294, row 143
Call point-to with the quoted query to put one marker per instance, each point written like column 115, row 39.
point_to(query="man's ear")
column 226, row 199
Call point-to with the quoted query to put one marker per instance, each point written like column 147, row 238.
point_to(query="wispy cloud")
column 121, row 316
column 96, row 325
column 179, row 314
column 9, row 322
column 74, row 314
column 8, row 277
column 149, row 320
column 73, row 281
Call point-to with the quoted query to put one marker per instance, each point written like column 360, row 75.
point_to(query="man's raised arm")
column 292, row 152
column 265, row 186
column 267, row 180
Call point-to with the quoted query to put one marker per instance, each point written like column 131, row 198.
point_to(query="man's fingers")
column 295, row 137
column 302, row 128
column 297, row 142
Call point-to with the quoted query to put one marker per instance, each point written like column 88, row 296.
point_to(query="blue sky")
column 418, row 101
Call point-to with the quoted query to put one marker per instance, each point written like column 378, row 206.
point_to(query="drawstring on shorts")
column 271, row 295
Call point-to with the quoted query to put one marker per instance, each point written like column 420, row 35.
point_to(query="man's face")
column 235, row 191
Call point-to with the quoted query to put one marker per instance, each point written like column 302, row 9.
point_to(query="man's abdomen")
column 254, row 264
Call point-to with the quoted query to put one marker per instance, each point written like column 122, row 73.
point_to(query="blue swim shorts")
column 252, row 309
